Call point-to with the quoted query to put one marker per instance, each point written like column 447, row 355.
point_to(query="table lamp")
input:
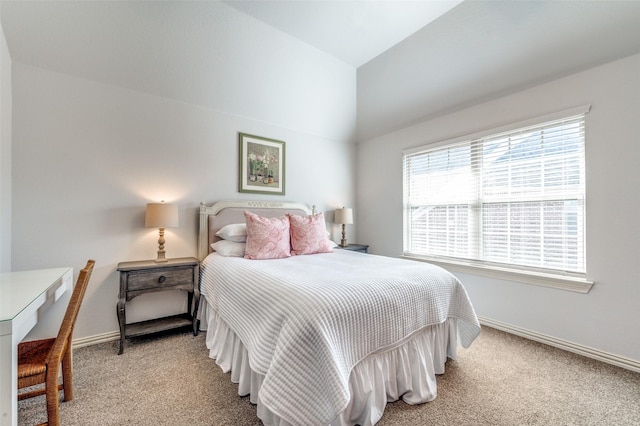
column 161, row 215
column 344, row 217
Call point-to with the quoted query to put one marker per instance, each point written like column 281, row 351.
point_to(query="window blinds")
column 513, row 198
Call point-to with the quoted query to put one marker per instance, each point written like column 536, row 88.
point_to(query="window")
column 511, row 198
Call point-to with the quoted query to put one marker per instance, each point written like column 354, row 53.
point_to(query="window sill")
column 563, row 282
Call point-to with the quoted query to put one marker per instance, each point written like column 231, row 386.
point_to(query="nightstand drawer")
column 161, row 278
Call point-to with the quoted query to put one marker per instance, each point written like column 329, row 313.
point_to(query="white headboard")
column 222, row 213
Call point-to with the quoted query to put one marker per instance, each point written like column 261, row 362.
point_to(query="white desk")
column 24, row 296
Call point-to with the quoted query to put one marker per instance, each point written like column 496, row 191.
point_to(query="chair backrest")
column 63, row 340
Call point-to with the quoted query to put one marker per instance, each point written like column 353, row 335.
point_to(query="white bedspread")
column 306, row 321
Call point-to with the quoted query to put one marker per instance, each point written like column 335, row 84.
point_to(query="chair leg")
column 53, row 415
column 67, row 374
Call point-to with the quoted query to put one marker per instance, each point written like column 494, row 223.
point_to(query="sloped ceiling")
column 353, row 31
column 467, row 52
column 482, row 50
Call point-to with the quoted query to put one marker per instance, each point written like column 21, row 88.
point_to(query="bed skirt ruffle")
column 407, row 370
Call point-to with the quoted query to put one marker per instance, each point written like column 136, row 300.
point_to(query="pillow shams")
column 309, row 235
column 267, row 238
column 234, row 232
column 229, row 248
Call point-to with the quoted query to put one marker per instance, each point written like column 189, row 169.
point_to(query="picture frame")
column 262, row 165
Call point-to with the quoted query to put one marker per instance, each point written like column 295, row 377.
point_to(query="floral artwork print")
column 261, row 165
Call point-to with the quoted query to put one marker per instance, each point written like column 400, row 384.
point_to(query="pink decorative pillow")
column 267, row 238
column 309, row 235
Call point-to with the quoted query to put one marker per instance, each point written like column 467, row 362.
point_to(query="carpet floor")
column 501, row 379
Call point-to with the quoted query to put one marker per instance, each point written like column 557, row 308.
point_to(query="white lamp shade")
column 344, row 216
column 161, row 215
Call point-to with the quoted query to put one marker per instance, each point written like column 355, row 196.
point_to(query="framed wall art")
column 262, row 165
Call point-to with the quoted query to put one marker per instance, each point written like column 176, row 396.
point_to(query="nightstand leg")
column 121, row 322
column 194, row 316
column 196, row 303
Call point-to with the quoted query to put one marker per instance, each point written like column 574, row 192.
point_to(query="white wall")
column 203, row 53
column 607, row 318
column 5, row 155
column 88, row 156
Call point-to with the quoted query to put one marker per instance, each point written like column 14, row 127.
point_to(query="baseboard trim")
column 94, row 340
column 599, row 355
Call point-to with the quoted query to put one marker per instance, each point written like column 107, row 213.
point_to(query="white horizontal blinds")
column 513, row 198
column 440, row 191
column 533, row 196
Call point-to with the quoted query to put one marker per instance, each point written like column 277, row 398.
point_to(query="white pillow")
column 234, row 232
column 229, row 248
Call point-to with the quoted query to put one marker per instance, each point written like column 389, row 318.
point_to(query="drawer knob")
column 162, row 279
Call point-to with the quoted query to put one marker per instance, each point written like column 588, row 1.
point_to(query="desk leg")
column 9, row 380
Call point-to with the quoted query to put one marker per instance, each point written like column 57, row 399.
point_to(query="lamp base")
column 161, row 251
column 343, row 241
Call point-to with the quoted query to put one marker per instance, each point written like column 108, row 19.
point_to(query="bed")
column 326, row 338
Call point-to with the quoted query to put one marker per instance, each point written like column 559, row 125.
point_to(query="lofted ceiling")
column 353, row 31
column 469, row 51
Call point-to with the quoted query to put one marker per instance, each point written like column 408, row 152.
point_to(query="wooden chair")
column 39, row 360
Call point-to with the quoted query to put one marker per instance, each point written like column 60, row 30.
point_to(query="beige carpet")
column 501, row 380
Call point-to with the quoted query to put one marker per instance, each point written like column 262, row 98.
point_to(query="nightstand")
column 147, row 276
column 355, row 247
